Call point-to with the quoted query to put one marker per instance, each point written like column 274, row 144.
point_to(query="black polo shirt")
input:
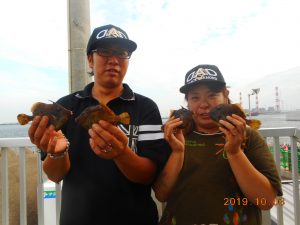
column 95, row 191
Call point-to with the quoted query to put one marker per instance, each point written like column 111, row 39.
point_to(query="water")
column 13, row 130
column 276, row 120
column 268, row 121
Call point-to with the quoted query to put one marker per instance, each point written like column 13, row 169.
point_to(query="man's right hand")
column 46, row 138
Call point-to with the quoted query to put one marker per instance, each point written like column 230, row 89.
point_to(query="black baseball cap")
column 109, row 34
column 201, row 74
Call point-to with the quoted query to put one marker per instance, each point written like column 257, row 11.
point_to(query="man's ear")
column 90, row 60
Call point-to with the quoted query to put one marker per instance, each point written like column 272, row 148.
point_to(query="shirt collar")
column 127, row 94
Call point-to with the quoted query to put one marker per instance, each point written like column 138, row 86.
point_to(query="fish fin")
column 255, row 124
column 238, row 105
column 107, row 109
column 124, row 118
column 171, row 113
column 183, row 107
column 241, row 108
column 24, row 119
column 35, row 106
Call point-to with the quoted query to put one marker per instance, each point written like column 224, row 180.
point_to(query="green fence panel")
column 286, row 159
column 290, row 160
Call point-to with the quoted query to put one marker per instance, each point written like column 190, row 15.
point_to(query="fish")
column 93, row 114
column 57, row 114
column 221, row 111
column 186, row 116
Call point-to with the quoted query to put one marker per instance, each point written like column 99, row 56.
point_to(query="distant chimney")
column 277, row 102
column 241, row 99
column 256, row 102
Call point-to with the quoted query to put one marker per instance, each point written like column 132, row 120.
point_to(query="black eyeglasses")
column 122, row 54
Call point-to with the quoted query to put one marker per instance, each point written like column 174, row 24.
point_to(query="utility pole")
column 241, row 102
column 78, row 35
column 254, row 92
column 249, row 108
column 277, row 101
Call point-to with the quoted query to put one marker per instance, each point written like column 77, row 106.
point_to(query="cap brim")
column 184, row 89
column 128, row 44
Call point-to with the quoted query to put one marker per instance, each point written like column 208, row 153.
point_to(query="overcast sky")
column 246, row 39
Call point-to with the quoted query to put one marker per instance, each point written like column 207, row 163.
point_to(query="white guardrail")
column 49, row 193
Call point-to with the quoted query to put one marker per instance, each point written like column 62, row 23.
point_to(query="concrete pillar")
column 78, row 35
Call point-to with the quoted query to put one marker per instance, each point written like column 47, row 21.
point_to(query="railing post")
column 295, row 175
column 266, row 215
column 5, row 193
column 279, row 209
column 277, row 153
column 58, row 201
column 22, row 175
column 40, row 190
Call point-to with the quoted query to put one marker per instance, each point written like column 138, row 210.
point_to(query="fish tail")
column 124, row 118
column 24, row 119
column 255, row 124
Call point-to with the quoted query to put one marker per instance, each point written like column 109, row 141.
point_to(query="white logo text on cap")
column 111, row 33
column 200, row 74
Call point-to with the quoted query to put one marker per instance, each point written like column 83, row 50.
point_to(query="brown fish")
column 93, row 114
column 57, row 114
column 186, row 116
column 221, row 111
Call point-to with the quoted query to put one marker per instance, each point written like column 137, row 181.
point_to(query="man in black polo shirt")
column 107, row 171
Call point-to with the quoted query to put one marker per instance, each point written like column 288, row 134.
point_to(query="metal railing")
column 294, row 135
column 20, row 144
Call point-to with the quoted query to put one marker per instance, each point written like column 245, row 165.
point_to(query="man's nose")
column 113, row 59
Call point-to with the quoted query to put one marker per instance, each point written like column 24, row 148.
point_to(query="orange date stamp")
column 278, row 201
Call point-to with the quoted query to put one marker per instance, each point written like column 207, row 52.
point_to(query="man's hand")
column 107, row 141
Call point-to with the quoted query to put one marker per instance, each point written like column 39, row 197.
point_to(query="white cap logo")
column 111, row 33
column 201, row 74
